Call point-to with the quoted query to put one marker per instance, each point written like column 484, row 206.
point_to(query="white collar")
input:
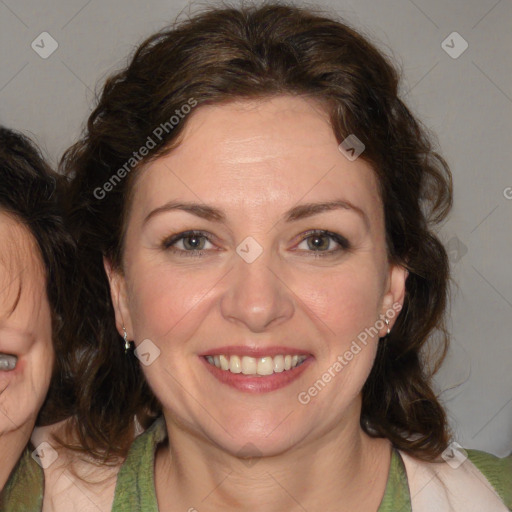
column 438, row 486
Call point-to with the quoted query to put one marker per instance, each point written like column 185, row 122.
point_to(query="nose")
column 257, row 296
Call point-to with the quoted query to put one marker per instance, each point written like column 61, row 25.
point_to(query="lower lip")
column 252, row 384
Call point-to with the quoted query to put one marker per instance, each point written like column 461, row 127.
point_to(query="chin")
column 256, row 439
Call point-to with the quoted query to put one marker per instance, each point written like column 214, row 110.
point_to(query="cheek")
column 23, row 398
column 46, row 362
column 44, row 353
column 350, row 309
column 346, row 299
column 40, row 365
column 163, row 298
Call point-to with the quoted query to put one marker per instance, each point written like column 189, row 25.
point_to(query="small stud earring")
column 126, row 342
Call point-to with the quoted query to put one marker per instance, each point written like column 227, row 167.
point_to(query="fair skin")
column 26, row 333
column 74, row 482
column 255, row 160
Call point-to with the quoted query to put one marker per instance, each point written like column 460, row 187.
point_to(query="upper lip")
column 244, row 350
column 9, row 353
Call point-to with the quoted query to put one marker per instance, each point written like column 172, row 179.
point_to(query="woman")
column 284, row 373
column 35, row 256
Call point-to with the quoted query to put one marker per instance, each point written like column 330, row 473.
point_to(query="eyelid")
column 339, row 239
column 169, row 240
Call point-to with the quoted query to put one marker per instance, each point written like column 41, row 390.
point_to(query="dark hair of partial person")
column 225, row 53
column 31, row 193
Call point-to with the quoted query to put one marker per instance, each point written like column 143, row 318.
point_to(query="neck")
column 342, row 469
column 12, row 444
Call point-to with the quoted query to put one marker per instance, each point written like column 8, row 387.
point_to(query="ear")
column 393, row 299
column 119, row 297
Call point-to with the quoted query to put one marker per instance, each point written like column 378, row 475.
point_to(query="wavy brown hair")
column 227, row 53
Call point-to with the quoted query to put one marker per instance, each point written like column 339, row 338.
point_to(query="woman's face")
column 259, row 284
column 26, row 352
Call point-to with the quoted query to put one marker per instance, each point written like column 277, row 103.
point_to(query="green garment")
column 135, row 488
column 24, row 490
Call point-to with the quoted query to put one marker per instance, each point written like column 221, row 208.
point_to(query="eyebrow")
column 296, row 213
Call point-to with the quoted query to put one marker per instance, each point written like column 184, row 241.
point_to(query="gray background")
column 466, row 101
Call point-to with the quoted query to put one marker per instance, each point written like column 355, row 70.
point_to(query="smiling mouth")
column 256, row 366
column 8, row 362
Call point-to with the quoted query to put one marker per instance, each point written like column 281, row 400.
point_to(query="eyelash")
column 168, row 243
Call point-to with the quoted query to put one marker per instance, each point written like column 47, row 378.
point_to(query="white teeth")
column 8, row 362
column 224, row 362
column 235, row 366
column 279, row 364
column 265, row 366
column 249, row 365
column 261, row 366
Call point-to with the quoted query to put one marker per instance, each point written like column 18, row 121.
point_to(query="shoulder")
column 135, row 489
column 144, row 446
column 459, row 483
column 498, row 471
column 23, row 491
column 73, row 481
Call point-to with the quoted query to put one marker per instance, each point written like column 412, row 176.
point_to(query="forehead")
column 253, row 154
